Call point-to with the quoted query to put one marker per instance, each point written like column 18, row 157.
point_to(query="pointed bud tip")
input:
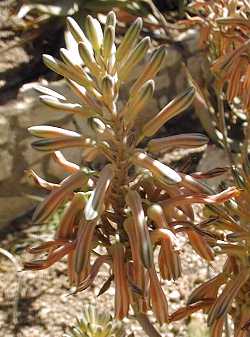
column 139, row 21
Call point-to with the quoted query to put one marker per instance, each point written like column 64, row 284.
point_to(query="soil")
column 38, row 304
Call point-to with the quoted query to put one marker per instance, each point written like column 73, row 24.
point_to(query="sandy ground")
column 36, row 304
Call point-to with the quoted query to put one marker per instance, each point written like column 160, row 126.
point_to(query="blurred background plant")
column 224, row 37
column 233, row 302
column 42, row 23
column 34, row 16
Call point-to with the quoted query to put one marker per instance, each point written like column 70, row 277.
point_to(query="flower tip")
column 139, row 21
column 190, row 91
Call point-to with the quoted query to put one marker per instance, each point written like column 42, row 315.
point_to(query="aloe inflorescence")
column 225, row 30
column 135, row 202
column 224, row 35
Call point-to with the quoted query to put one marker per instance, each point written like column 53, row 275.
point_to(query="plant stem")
column 147, row 326
column 223, row 127
column 120, row 180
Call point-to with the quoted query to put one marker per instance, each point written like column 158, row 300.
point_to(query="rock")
column 4, row 130
column 197, row 327
column 173, row 57
column 163, row 101
column 18, row 155
column 174, row 296
column 11, row 207
column 6, row 161
column 16, row 116
column 189, row 40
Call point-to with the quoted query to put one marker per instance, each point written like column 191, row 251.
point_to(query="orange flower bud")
column 58, row 143
column 94, row 269
column 56, row 197
column 72, row 108
column 159, row 170
column 207, row 290
column 55, row 256
column 40, row 181
column 71, row 216
column 129, row 40
column 134, row 202
column 217, row 328
column 47, row 131
column 158, row 298
column 189, row 309
column 83, row 249
column 189, row 140
column 68, row 166
column 121, row 282
column 94, row 206
column 138, row 270
column 151, row 69
column 224, row 301
column 155, row 213
column 200, row 245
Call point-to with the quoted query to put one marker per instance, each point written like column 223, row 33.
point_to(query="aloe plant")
column 135, row 202
column 94, row 323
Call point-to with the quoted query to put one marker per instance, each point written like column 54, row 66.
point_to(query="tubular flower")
column 224, row 38
column 158, row 298
column 121, row 281
column 223, row 24
column 228, row 291
column 135, row 201
column 233, row 71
